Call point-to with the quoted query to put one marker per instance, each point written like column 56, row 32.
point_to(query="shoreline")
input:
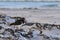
column 51, row 16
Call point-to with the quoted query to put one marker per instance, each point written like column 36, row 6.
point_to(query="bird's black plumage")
column 18, row 21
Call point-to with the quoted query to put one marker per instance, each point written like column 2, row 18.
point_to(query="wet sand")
column 48, row 15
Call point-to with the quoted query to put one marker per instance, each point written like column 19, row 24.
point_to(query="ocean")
column 28, row 4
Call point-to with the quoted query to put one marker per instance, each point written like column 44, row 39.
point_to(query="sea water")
column 28, row 4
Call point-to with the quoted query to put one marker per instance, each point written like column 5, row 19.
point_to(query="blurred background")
column 29, row 3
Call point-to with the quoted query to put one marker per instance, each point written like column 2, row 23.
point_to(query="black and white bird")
column 15, row 20
column 18, row 21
